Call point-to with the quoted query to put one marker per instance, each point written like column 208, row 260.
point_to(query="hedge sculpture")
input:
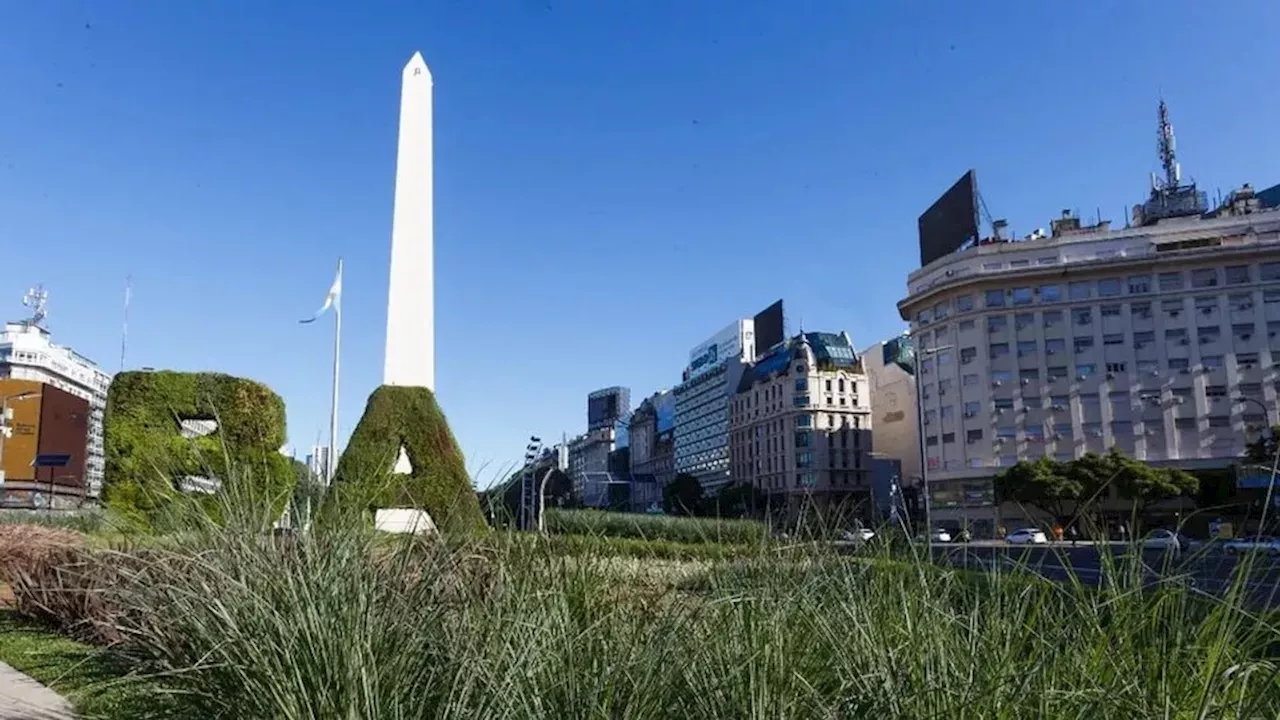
column 146, row 456
column 409, row 418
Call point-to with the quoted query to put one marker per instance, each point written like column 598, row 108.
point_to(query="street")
column 1208, row 568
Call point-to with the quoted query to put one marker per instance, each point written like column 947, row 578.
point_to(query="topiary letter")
column 406, row 420
column 154, row 450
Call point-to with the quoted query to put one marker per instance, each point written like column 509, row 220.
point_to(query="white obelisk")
column 410, row 354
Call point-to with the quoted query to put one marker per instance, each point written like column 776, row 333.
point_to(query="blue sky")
column 615, row 181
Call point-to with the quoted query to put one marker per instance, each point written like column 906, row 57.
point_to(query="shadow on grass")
column 98, row 683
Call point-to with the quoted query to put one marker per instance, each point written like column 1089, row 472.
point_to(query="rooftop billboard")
column 951, row 222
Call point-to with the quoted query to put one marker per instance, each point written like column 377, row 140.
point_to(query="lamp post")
column 924, row 460
column 1266, row 411
column 531, row 452
column 5, row 430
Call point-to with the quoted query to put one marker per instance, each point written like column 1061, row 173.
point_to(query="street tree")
column 683, row 496
column 1044, row 483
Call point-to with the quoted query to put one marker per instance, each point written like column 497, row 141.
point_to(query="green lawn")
column 96, row 682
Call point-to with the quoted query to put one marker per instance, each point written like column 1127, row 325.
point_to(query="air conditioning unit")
column 969, row 414
column 1096, row 433
column 1026, row 381
column 999, row 411
column 996, row 383
column 1082, row 377
column 1111, row 376
column 1058, row 406
column 1247, row 366
column 1155, row 373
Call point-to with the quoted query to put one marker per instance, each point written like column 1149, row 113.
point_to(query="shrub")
column 44, row 568
column 409, row 418
column 145, row 451
column 655, row 527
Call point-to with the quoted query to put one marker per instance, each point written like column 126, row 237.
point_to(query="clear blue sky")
column 615, row 181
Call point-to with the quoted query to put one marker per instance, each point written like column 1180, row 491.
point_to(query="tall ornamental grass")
column 343, row 623
column 655, row 527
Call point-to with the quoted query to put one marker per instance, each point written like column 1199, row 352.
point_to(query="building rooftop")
column 829, row 350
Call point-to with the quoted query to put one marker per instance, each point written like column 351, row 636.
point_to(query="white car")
column 940, row 535
column 859, row 535
column 1166, row 540
column 1026, row 536
column 1257, row 543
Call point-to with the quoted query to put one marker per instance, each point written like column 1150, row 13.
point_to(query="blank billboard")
column 951, row 221
column 768, row 327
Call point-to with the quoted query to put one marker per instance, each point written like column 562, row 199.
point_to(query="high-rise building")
column 27, row 352
column 701, row 432
column 801, row 425
column 890, row 368
column 652, row 449
column 318, row 463
column 605, row 407
column 1160, row 338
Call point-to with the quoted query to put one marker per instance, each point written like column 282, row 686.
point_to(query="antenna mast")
column 124, row 331
column 1166, row 146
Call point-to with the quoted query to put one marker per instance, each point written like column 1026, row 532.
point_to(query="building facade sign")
column 733, row 341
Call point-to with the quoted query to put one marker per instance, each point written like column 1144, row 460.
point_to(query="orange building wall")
column 20, row 449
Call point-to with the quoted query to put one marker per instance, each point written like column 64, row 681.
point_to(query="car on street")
column 858, row 535
column 1256, row 544
column 1026, row 536
column 1168, row 540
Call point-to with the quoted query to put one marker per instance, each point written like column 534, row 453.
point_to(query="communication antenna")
column 124, row 330
column 38, row 300
column 1166, row 146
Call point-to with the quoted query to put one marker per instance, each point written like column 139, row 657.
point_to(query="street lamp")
column 1266, row 411
column 5, row 416
column 531, row 452
column 924, row 460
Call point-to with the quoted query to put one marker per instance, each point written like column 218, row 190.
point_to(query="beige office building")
column 800, row 424
column 1161, row 338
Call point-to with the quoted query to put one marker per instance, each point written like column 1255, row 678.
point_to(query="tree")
column 1144, row 485
column 1263, row 450
column 1045, row 484
column 736, row 501
column 682, row 496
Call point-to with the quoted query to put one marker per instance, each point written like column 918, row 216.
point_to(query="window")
column 1083, row 344
column 1140, row 311
column 943, row 387
column 1046, row 260
column 967, row 325
column 997, row 322
column 1019, row 263
column 1003, row 403
column 802, row 385
column 1113, row 339
column 805, row 459
column 1139, row 284
column 1271, row 296
column 941, row 310
column 1028, row 348
column 1117, row 367
column 1085, row 371
column 924, row 317
column 1053, row 346
column 1052, row 318
column 1240, row 302
column 1185, row 423
column 1022, row 296
column 1082, row 316
column 940, row 335
column 1110, row 311
column 1121, row 428
column 1109, row 287
column 800, row 400
column 1211, row 362
column 998, row 350
column 1079, row 291
column 948, row 412
column 973, row 436
column 1237, row 274
column 1176, row 335
column 1219, row 421
column 968, row 355
column 926, row 366
column 1000, row 377
column 1028, row 374
column 840, row 385
column 970, row 409
column 1208, row 334
column 995, row 298
column 804, row 421
column 945, row 357
column 992, row 265
column 1215, row 391
column 1246, row 361
column 1251, row 389
column 1206, row 277
column 1170, row 281
column 1050, row 293
column 1059, row 402
column 1206, row 305
column 964, row 304
column 1179, row 364
column 1006, row 433
column 1143, row 339
column 1242, row 331
column 948, row 438
column 1269, row 272
column 1022, row 321
column 803, row 438
column 970, row 379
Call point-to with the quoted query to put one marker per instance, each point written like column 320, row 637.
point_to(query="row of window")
column 1138, row 284
column 1119, row 400
column 1119, row 429
column 1244, row 361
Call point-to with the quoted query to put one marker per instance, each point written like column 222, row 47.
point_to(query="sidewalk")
column 22, row 698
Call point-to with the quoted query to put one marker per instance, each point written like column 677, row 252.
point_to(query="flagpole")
column 333, row 409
